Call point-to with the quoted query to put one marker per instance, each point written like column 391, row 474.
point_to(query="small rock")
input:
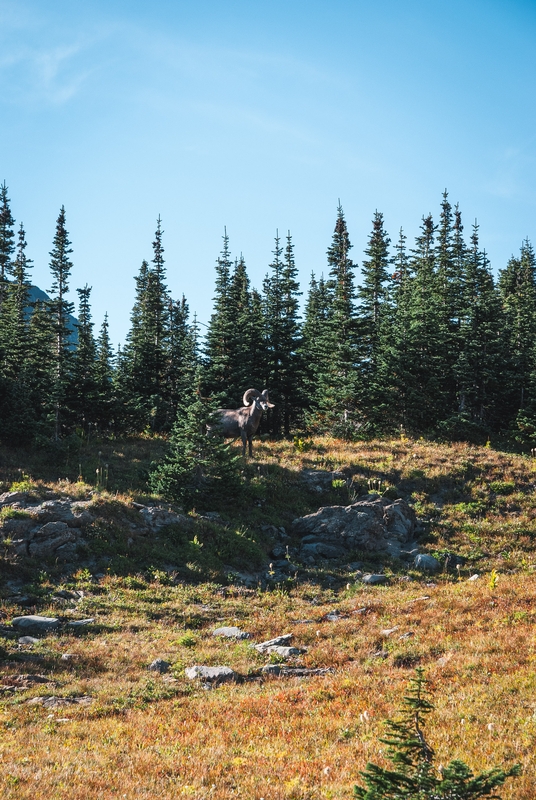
column 81, row 623
column 159, row 665
column 8, row 498
column 427, row 563
column 407, row 635
column 28, row 640
column 474, row 577
column 210, row 674
column 374, row 580
column 68, row 656
column 293, row 672
column 388, row 631
column 278, row 641
column 231, row 632
column 35, row 622
column 51, row 701
column 285, row 652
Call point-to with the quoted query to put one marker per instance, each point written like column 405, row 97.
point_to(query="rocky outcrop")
column 52, row 530
column 371, row 524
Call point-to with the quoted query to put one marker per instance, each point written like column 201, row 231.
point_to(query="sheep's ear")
column 270, row 405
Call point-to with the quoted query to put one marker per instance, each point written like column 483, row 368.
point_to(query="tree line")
column 427, row 343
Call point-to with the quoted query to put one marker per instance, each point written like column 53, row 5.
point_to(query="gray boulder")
column 374, row 524
column 156, row 517
column 159, row 665
column 35, row 623
column 374, row 579
column 73, row 514
column 48, row 539
column 8, row 498
column 210, row 674
column 427, row 563
column 279, row 641
column 231, row 632
column 285, row 652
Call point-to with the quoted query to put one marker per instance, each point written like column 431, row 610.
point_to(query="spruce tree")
column 517, row 285
column 198, row 469
column 104, row 378
column 337, row 385
column 413, row 775
column 61, row 309
column 477, row 369
column 315, row 353
column 7, row 242
column 220, row 334
column 83, row 394
column 372, row 295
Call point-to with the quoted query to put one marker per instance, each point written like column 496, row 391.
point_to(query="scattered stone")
column 474, row 577
column 159, row 665
column 304, row 621
column 35, row 622
column 279, row 641
column 156, row 517
column 360, row 610
column 210, row 674
column 81, row 623
column 374, row 579
column 285, row 652
column 427, row 563
column 282, row 671
column 407, row 635
column 8, row 498
column 65, row 594
column 52, row 701
column 68, row 656
column 28, row 640
column 388, row 631
column 26, row 681
column 335, row 617
column 231, row 632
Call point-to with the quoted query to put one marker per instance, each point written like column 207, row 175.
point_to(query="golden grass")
column 146, row 736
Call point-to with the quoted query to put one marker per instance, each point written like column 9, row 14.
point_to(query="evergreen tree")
column 517, row 285
column 14, row 315
column 336, row 392
column 61, row 309
column 413, row 775
column 372, row 294
column 220, row 335
column 198, row 468
column 7, row 242
column 395, row 343
column 104, row 378
column 315, row 352
column 476, row 372
column 281, row 292
column 425, row 371
column 83, row 394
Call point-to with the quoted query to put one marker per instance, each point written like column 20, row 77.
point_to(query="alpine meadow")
column 344, row 608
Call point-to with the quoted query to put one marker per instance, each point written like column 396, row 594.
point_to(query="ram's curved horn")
column 249, row 395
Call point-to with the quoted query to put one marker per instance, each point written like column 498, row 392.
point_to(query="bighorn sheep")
column 244, row 421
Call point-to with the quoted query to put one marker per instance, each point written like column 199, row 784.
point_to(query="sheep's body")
column 243, row 422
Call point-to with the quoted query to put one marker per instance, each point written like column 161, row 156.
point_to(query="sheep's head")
column 260, row 399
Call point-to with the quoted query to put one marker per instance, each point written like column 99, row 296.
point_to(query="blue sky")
column 259, row 116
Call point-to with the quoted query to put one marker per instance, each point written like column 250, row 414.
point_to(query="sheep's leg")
column 244, row 441
column 250, row 440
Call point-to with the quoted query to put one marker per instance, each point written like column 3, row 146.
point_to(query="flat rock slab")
column 52, row 701
column 35, row 622
column 293, row 672
column 81, row 623
column 231, row 632
column 374, row 580
column 28, row 640
column 285, row 652
column 210, row 674
column 279, row 641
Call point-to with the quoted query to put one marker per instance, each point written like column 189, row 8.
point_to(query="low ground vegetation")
column 103, row 725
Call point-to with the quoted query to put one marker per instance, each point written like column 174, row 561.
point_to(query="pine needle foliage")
column 414, row 776
column 198, row 468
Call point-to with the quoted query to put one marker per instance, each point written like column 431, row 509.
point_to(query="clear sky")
column 259, row 116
